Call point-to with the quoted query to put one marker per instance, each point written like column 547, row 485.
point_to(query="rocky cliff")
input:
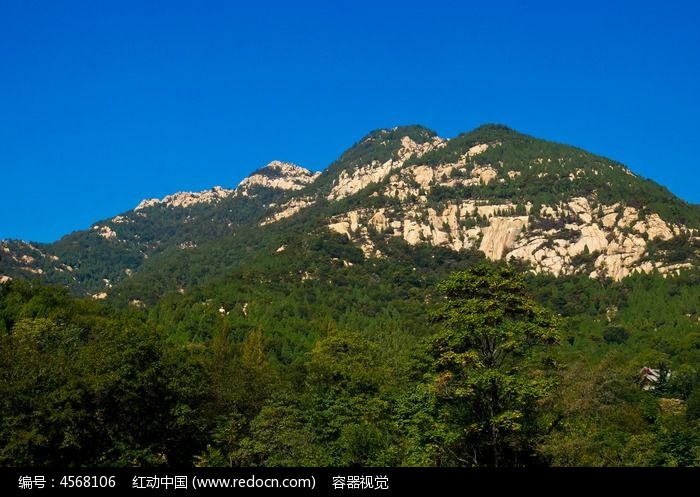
column 472, row 197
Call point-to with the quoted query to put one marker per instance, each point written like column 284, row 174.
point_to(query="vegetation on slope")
column 261, row 368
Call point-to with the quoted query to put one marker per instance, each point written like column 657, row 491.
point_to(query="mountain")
column 554, row 208
column 360, row 316
column 113, row 249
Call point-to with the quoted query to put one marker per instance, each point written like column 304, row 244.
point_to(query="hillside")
column 112, row 250
column 492, row 299
column 555, row 208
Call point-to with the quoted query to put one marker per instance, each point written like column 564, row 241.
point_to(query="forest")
column 379, row 364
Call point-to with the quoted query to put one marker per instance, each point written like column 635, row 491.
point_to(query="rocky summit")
column 554, row 208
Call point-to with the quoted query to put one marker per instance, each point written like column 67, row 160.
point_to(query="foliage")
column 489, row 330
column 81, row 385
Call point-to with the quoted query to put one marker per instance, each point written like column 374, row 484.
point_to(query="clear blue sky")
column 105, row 103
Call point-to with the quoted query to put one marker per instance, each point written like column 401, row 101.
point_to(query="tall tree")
column 489, row 329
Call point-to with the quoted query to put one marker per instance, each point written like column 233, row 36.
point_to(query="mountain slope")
column 93, row 260
column 558, row 208
column 555, row 208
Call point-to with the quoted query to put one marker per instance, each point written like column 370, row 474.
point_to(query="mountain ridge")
column 508, row 195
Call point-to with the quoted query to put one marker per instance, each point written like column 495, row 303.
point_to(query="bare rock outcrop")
column 278, row 175
column 349, row 183
column 187, row 199
column 500, row 235
column 288, row 209
column 617, row 249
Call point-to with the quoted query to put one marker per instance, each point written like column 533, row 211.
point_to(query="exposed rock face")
column 187, row 199
column 620, row 246
column 477, row 149
column 411, row 181
column 379, row 222
column 280, row 176
column 592, row 238
column 105, row 232
column 484, row 174
column 581, row 208
column 654, row 227
column 288, row 209
column 121, row 219
column 277, row 175
column 149, row 202
column 351, row 227
column 28, row 259
column 349, row 183
column 342, row 228
column 500, row 235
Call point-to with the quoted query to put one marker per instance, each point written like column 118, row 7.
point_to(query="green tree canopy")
column 489, row 329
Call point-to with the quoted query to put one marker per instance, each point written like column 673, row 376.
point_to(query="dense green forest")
column 470, row 364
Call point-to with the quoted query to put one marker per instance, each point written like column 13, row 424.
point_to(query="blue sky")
column 105, row 103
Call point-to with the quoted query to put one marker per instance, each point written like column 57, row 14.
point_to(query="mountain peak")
column 278, row 164
column 416, row 132
column 278, row 175
column 284, row 168
column 187, row 199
